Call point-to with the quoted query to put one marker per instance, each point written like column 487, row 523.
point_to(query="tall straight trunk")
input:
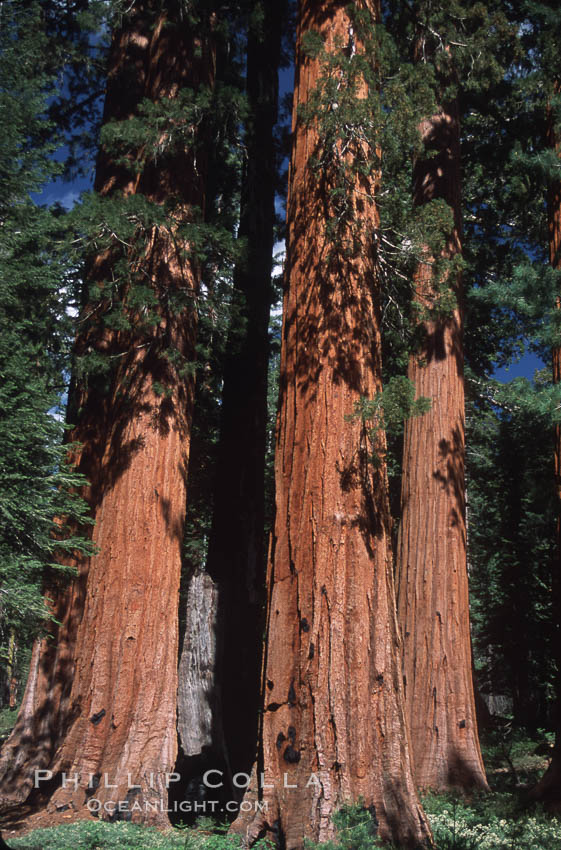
column 333, row 726
column 219, row 671
column 236, row 559
column 432, row 583
column 548, row 790
column 100, row 704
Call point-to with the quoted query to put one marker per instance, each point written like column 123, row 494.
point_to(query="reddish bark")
column 100, row 702
column 432, row 585
column 333, row 723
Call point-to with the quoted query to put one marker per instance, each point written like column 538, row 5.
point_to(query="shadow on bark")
column 452, row 453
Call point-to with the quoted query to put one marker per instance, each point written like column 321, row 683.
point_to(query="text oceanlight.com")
column 201, row 807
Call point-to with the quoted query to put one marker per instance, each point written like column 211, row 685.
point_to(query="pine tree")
column 511, row 552
column 36, row 482
column 101, row 696
column 548, row 789
column 515, row 606
column 508, row 297
column 333, row 726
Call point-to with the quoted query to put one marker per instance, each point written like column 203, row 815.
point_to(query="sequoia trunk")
column 333, row 727
column 432, row 584
column 100, row 704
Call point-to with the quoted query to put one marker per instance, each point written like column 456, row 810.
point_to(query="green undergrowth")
column 7, row 720
column 495, row 821
column 490, row 822
column 502, row 819
column 101, row 835
column 513, row 760
column 88, row 835
column 499, row 820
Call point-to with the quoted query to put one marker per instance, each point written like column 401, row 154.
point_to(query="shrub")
column 493, row 822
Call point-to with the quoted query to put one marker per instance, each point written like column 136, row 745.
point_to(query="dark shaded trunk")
column 237, row 551
column 219, row 673
column 432, row 586
column 100, row 703
column 333, row 727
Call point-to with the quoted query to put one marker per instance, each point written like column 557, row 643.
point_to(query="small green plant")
column 388, row 410
column 208, row 834
column 513, row 759
column 356, row 829
column 391, row 407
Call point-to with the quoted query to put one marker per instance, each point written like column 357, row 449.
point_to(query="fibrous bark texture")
column 432, row 584
column 333, row 728
column 548, row 790
column 99, row 711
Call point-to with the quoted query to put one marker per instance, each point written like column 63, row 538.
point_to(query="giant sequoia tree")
column 333, row 726
column 356, row 706
column 101, row 695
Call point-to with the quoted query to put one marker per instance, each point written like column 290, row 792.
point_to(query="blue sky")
column 524, row 368
column 68, row 193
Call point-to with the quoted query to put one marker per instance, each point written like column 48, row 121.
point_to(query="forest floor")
column 503, row 819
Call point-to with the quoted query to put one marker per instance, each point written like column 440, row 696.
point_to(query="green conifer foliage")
column 511, row 524
column 36, row 482
column 509, row 165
